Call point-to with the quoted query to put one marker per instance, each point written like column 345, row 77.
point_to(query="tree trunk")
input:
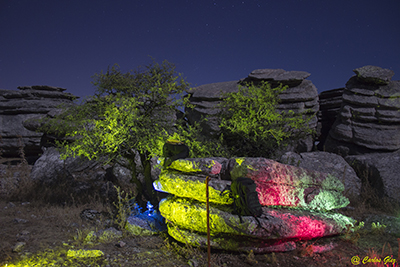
column 134, row 180
column 149, row 191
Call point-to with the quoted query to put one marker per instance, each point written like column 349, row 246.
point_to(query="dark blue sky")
column 64, row 42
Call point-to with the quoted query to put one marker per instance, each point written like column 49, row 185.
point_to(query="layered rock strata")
column 300, row 96
column 330, row 103
column 369, row 119
column 279, row 187
column 16, row 107
column 277, row 230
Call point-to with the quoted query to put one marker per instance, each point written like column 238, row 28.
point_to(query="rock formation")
column 279, row 186
column 18, row 106
column 326, row 162
column 300, row 96
column 379, row 173
column 81, row 177
column 71, row 179
column 329, row 106
column 369, row 119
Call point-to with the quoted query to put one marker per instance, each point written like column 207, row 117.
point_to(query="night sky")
column 64, row 42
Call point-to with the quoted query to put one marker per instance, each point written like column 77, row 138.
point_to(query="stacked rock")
column 300, row 96
column 16, row 107
column 308, row 194
column 329, row 106
column 369, row 119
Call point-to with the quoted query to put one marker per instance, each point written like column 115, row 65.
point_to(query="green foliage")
column 200, row 146
column 122, row 208
column 251, row 124
column 378, row 228
column 358, row 227
column 129, row 110
column 352, row 233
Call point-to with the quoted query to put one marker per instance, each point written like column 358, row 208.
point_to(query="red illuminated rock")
column 275, row 224
column 310, row 192
column 284, row 185
column 277, row 184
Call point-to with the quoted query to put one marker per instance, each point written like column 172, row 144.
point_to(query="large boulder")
column 81, row 178
column 289, row 186
column 274, row 223
column 369, row 119
column 308, row 193
column 71, row 179
column 379, row 171
column 277, row 184
column 226, row 229
column 300, row 96
column 329, row 163
column 231, row 243
column 16, row 107
column 186, row 178
column 374, row 75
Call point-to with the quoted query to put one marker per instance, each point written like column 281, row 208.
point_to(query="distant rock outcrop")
column 16, row 107
column 329, row 106
column 300, row 96
column 369, row 119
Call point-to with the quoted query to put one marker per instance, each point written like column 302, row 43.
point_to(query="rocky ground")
column 37, row 234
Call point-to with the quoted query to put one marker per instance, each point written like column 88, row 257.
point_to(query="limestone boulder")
column 369, row 118
column 213, row 166
column 186, row 178
column 277, row 184
column 275, row 224
column 329, row 163
column 230, row 243
column 75, row 179
column 374, row 74
column 307, row 193
column 82, row 178
column 290, row 78
column 285, row 185
column 380, row 171
column 193, row 186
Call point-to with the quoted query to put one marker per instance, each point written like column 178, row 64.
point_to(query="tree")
column 251, row 124
column 130, row 112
